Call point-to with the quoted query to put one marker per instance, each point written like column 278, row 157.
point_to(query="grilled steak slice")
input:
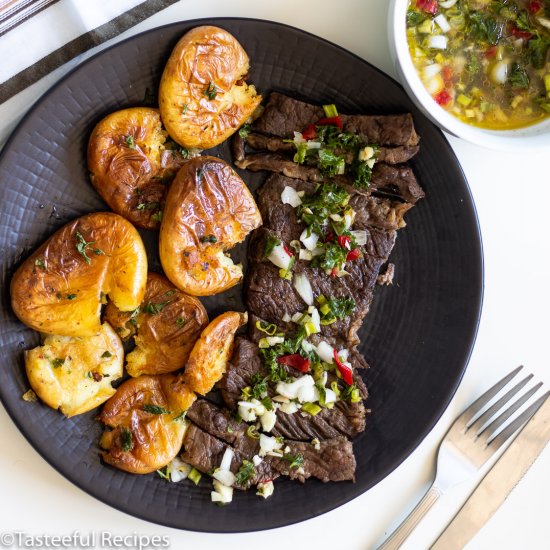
column 394, row 181
column 283, row 115
column 205, row 452
column 344, row 419
column 334, row 461
column 273, row 144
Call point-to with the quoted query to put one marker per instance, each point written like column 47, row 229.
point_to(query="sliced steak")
column 273, row 144
column 283, row 115
column 334, row 461
column 205, row 452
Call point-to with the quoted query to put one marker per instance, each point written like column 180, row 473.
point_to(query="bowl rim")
column 536, row 136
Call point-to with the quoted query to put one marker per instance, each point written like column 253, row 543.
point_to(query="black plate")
column 417, row 337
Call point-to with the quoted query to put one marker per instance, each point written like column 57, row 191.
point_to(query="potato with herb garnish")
column 208, row 210
column 166, row 325
column 73, row 374
column 60, row 288
column 212, row 351
column 131, row 163
column 146, row 422
column 203, row 96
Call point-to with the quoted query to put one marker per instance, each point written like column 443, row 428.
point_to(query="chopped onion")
column 437, row 42
column 330, row 396
column 343, row 354
column 178, row 470
column 499, row 73
column 448, row 4
column 280, row 399
column 296, row 318
column 290, row 196
column 435, row 85
column 306, row 255
column 221, row 493
column 325, row 352
column 441, row 20
column 360, row 237
column 268, row 420
column 544, row 22
column 307, row 346
column 313, row 144
column 270, row 341
column 256, row 460
column 318, row 251
column 291, row 389
column 289, row 408
column 309, row 242
column 308, row 394
column 429, row 71
column 303, row 287
column 299, row 138
column 316, row 319
column 226, row 459
column 248, row 415
column 265, row 489
column 280, row 257
column 286, row 318
column 267, row 443
column 225, row 477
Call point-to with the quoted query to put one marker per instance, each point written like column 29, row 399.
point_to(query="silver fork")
column 469, row 444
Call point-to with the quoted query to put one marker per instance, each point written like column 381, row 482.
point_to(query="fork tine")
column 503, row 436
column 481, row 401
column 493, row 409
column 491, row 428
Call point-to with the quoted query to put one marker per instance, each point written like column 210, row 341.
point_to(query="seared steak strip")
column 284, row 115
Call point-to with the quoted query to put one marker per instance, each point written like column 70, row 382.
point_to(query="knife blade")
column 495, row 487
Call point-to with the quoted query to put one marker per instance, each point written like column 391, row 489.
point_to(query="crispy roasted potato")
column 203, row 97
column 75, row 374
column 208, row 360
column 145, row 415
column 168, row 324
column 130, row 165
column 208, row 210
column 60, row 288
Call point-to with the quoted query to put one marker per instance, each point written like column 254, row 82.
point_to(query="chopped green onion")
column 195, row 476
column 311, row 408
column 330, row 110
column 269, row 328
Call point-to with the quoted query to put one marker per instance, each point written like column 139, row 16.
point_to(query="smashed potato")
column 75, row 374
column 60, row 288
column 208, row 360
column 168, row 323
column 147, row 423
column 130, row 165
column 208, row 210
column 203, row 97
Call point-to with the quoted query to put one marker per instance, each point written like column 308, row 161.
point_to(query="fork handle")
column 399, row 536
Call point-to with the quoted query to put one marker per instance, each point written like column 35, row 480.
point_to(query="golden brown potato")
column 208, row 360
column 145, row 415
column 208, row 210
column 75, row 374
column 203, row 98
column 60, row 288
column 131, row 166
column 168, row 324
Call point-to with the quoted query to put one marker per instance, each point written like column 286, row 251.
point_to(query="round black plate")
column 417, row 337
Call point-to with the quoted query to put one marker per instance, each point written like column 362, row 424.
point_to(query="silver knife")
column 498, row 483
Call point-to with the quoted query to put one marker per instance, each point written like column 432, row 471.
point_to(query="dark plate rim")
column 355, row 491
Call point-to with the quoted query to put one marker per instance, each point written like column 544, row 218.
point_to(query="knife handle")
column 412, row 520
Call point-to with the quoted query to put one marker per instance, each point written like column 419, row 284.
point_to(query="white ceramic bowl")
column 533, row 137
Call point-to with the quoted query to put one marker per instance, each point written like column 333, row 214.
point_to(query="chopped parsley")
column 211, row 92
column 270, row 245
column 157, row 216
column 334, row 309
column 296, row 461
column 57, row 362
column 71, row 296
column 244, row 130
column 518, row 77
column 184, row 109
column 153, row 308
column 126, row 440
column 208, row 239
column 130, row 142
column 148, row 205
column 180, row 321
column 106, row 354
column 154, row 409
column 39, row 262
column 246, row 473
column 82, row 247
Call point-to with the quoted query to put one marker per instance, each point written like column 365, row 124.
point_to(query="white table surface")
column 512, row 194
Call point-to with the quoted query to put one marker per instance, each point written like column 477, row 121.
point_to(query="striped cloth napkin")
column 37, row 36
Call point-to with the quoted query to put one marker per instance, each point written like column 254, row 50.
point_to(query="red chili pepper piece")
column 429, row 6
column 534, row 6
column 443, row 98
column 344, row 241
column 309, row 132
column 447, row 74
column 329, row 237
column 352, row 255
column 345, row 370
column 285, row 248
column 490, row 52
column 296, row 361
column 330, row 121
column 518, row 33
column 334, row 272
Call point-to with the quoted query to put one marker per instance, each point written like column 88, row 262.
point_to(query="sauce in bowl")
column 484, row 61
